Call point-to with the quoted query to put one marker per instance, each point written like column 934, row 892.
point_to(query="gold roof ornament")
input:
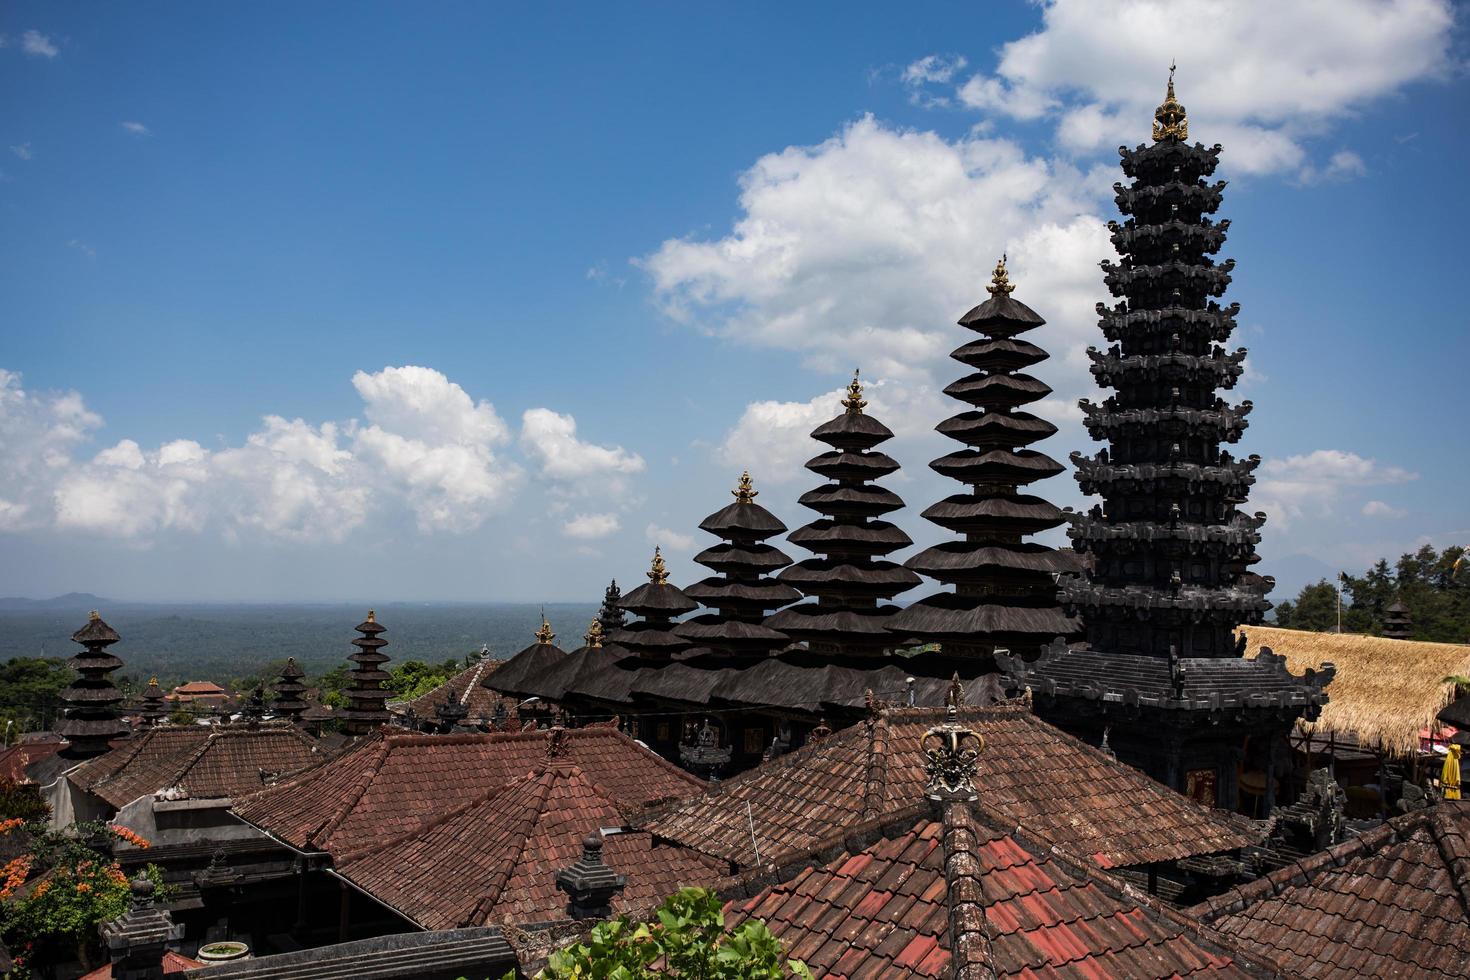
column 854, row 401
column 658, row 572
column 745, row 491
column 1170, row 121
column 544, row 635
column 1000, row 283
column 93, row 616
column 372, row 616
column 593, row 636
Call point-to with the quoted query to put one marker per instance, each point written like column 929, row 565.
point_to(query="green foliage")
column 30, row 693
column 55, row 894
column 414, row 678
column 688, row 940
column 1425, row 581
column 22, row 801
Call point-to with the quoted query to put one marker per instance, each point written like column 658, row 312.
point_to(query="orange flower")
column 42, row 889
column 6, row 826
column 83, row 888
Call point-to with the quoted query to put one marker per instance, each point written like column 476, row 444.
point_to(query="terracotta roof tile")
column 1390, row 903
column 388, row 785
column 1015, row 909
column 494, row 860
column 1035, row 777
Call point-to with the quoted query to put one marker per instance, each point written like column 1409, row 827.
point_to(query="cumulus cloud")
column 867, row 247
column 550, row 440
column 136, row 128
column 22, row 150
column 1342, row 165
column 1259, row 76
column 1311, row 484
column 591, row 526
column 667, row 539
column 38, row 44
column 1377, row 508
column 424, row 446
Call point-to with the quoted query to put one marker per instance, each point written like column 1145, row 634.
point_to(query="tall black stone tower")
column 1169, row 546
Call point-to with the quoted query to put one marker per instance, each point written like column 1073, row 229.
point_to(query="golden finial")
column 372, row 616
column 854, row 401
column 1170, row 121
column 153, row 682
column 1000, row 284
column 745, row 492
column 544, row 634
column 593, row 636
column 658, row 572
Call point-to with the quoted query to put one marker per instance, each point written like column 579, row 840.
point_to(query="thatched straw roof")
column 1385, row 690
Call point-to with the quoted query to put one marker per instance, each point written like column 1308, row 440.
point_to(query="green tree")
column 1315, row 609
column 30, row 692
column 414, row 678
column 687, row 940
column 1438, row 600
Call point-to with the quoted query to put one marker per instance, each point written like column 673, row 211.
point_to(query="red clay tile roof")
column 199, row 687
column 201, row 761
column 388, row 785
column 468, row 688
column 172, row 963
column 1390, row 903
column 13, row 760
column 1032, row 775
column 925, row 895
column 495, row 859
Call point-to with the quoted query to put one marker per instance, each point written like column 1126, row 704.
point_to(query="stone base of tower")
column 1192, row 723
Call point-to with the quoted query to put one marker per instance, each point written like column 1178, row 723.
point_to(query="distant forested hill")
column 220, row 642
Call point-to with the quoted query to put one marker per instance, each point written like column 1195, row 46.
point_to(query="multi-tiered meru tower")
column 1005, row 593
column 850, row 579
column 1169, row 546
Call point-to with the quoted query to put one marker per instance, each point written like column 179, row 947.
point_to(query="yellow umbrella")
column 1449, row 780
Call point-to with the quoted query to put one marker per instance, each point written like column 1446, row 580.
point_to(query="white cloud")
column 1342, row 165
column 22, row 150
column 867, row 247
column 1312, row 483
column 550, row 439
column 591, row 526
column 38, row 44
column 1259, row 76
column 667, row 539
column 931, row 70
column 38, row 434
column 1377, row 508
column 136, row 128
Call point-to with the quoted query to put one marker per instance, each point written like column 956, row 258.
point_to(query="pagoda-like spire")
column 740, row 592
column 849, row 579
column 544, row 635
column 367, row 698
column 1170, row 547
column 155, row 708
column 656, row 604
column 1397, row 624
column 90, row 701
column 1005, row 592
column 593, row 636
column 611, row 615
column 289, row 703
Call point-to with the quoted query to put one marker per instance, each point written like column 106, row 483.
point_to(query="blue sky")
column 480, row 301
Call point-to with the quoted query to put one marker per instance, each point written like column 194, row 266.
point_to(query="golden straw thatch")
column 1385, row 690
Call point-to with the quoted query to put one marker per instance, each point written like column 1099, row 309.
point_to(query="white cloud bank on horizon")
column 426, row 448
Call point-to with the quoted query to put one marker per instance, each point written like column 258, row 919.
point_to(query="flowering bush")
column 53, row 897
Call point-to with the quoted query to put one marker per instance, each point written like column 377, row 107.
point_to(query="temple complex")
column 1004, row 594
column 1162, row 675
column 850, row 581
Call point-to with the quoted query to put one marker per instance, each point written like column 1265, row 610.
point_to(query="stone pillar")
column 590, row 885
column 137, row 940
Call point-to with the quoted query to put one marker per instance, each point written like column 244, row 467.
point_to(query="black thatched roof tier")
column 870, row 538
column 960, row 561
column 851, row 501
column 993, row 354
column 532, row 662
column 993, row 429
column 998, row 391
column 662, row 599
column 997, row 466
column 754, row 593
column 725, row 557
column 743, row 522
column 647, row 638
column 846, row 578
column 1005, row 590
column 852, row 430
column 852, row 465
column 91, row 719
column 716, row 631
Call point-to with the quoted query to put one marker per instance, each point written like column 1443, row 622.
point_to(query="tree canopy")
column 1425, row 581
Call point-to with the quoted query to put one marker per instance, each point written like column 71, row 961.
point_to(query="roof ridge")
column 136, row 747
column 1453, row 849
column 520, row 833
column 875, row 776
column 971, row 954
column 193, row 758
column 369, row 775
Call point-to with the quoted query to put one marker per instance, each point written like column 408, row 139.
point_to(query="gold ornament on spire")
column 745, row 491
column 1000, row 284
column 658, row 573
column 544, row 635
column 1170, row 121
column 593, row 636
column 854, row 401
column 372, row 616
column 93, row 616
